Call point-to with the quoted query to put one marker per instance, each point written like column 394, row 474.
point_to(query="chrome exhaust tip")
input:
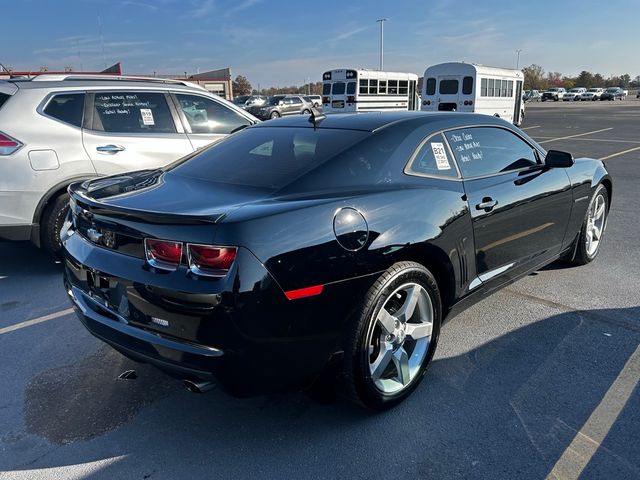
column 198, row 387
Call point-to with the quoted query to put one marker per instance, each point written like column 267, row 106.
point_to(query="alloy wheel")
column 399, row 340
column 595, row 224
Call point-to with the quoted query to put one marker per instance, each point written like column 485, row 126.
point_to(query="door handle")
column 487, row 204
column 109, row 149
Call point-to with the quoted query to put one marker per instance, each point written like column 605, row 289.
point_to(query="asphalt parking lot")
column 540, row 380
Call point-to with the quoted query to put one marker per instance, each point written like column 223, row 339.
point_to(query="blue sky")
column 275, row 42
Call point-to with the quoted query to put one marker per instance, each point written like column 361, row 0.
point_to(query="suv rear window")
column 66, row 107
column 132, row 112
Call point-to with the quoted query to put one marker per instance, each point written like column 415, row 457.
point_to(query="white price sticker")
column 440, row 154
column 147, row 116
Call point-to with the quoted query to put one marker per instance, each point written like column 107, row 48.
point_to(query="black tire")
column 274, row 115
column 359, row 384
column 582, row 255
column 306, row 112
column 52, row 222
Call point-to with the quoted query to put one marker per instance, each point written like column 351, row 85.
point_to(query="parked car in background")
column 246, row 101
column 532, row 96
column 281, row 105
column 555, row 94
column 574, row 94
column 300, row 248
column 613, row 93
column 316, row 100
column 591, row 94
column 57, row 129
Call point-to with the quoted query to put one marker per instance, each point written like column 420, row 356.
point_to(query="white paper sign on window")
column 147, row 116
column 440, row 154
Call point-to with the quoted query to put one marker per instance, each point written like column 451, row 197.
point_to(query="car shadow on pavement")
column 21, row 259
column 509, row 408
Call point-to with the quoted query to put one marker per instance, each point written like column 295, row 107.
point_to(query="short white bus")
column 468, row 87
column 349, row 90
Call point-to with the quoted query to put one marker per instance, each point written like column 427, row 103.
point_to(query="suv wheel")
column 52, row 222
column 274, row 115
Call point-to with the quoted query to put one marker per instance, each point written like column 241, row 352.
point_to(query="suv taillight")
column 209, row 260
column 8, row 145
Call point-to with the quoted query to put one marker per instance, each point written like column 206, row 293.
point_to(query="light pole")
column 518, row 58
column 381, row 21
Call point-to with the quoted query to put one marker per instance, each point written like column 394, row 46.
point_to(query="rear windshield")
column 269, row 157
column 338, row 88
column 3, row 98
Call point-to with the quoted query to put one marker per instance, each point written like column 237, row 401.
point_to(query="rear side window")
column 208, row 116
column 3, row 98
column 431, row 86
column 489, row 150
column 448, row 87
column 432, row 158
column 132, row 112
column 467, row 85
column 66, row 107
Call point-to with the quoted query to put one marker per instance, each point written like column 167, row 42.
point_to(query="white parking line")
column 577, row 135
column 35, row 321
column 529, row 128
column 587, row 441
column 620, row 153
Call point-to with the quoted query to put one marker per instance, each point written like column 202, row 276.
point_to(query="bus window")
column 326, row 88
column 431, row 86
column 351, row 88
column 392, row 87
column 382, row 87
column 510, row 90
column 448, row 87
column 483, row 87
column 490, row 87
column 467, row 85
column 373, row 87
column 338, row 88
column 403, row 87
column 364, row 86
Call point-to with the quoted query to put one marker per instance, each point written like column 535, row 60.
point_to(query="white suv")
column 58, row 129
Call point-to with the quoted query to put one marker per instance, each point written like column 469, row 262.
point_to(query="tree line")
column 537, row 79
column 534, row 78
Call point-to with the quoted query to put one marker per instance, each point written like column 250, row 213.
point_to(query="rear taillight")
column 163, row 254
column 211, row 261
column 351, row 99
column 8, row 145
column 325, row 99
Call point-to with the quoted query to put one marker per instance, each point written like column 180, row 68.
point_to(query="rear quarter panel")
column 426, row 220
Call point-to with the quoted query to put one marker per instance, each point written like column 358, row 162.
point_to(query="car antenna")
column 316, row 116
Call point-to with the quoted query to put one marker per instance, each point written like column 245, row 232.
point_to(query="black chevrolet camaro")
column 336, row 247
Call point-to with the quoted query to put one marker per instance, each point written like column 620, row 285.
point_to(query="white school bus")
column 468, row 87
column 351, row 90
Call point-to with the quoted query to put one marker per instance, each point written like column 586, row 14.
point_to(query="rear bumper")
column 241, row 329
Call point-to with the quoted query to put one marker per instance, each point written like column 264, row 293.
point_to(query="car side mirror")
column 558, row 159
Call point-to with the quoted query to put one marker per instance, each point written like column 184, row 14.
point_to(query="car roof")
column 372, row 121
column 100, row 83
